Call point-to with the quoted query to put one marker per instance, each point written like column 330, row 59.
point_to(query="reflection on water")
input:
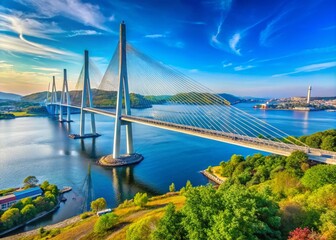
column 41, row 147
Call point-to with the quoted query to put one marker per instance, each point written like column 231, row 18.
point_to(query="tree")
column 105, row 222
column 202, row 203
column 172, row 187
column 11, row 217
column 319, row 176
column 314, row 140
column 41, row 204
column 295, row 162
column 303, row 233
column 142, row 229
column 28, row 212
column 44, row 186
column 169, row 226
column 30, row 181
column 244, row 214
column 98, row 204
column 140, row 199
column 329, row 143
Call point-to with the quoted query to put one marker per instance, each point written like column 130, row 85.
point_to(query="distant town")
column 300, row 103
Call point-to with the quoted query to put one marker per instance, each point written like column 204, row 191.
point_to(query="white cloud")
column 225, row 65
column 233, row 42
column 112, row 18
column 85, row 13
column 4, row 64
column 31, row 27
column 83, row 33
column 47, row 69
column 21, row 45
column 241, row 68
column 316, row 67
column 224, row 6
column 309, row 68
column 157, row 35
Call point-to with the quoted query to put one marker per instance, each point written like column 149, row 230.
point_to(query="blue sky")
column 247, row 48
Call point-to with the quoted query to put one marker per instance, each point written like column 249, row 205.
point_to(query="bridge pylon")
column 65, row 99
column 54, row 97
column 87, row 102
column 116, row 159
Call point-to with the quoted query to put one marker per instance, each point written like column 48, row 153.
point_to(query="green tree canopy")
column 329, row 143
column 319, row 176
column 140, row 199
column 98, row 204
column 142, row 229
column 105, row 222
column 11, row 217
column 30, row 181
column 29, row 211
column 170, row 225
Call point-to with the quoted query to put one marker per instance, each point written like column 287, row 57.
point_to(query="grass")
column 22, row 114
column 83, row 228
column 216, row 171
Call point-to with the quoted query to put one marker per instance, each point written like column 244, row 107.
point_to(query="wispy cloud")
column 233, row 42
column 85, row 13
column 21, row 45
column 31, row 27
column 224, row 6
column 156, row 35
column 5, row 65
column 309, row 68
column 242, row 68
column 47, row 69
column 76, row 33
column 225, row 65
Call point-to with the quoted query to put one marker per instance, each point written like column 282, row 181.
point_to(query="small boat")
column 63, row 199
column 66, row 189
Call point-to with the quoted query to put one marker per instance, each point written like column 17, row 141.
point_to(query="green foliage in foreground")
column 105, row 222
column 141, row 229
column 264, row 197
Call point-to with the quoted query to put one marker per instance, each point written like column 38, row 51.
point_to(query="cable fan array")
column 159, row 92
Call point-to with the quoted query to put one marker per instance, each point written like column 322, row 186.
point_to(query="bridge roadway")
column 280, row 148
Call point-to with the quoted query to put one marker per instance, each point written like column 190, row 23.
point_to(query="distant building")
column 9, row 200
column 308, row 95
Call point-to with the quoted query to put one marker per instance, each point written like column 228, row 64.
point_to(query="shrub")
column 85, row 215
column 172, row 187
column 105, row 222
column 140, row 199
column 142, row 229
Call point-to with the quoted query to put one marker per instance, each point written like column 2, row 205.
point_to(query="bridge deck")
column 235, row 139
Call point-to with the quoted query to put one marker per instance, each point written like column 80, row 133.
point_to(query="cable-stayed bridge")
column 167, row 99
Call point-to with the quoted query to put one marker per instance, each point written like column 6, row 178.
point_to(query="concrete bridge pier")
column 116, row 159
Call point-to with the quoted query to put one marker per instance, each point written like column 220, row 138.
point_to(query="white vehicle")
column 102, row 212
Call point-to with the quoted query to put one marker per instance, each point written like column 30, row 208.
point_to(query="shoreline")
column 212, row 177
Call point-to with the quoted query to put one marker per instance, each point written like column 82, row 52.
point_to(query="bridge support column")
column 54, row 97
column 116, row 159
column 65, row 99
column 87, row 101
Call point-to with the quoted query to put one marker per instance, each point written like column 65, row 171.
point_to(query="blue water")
column 40, row 146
